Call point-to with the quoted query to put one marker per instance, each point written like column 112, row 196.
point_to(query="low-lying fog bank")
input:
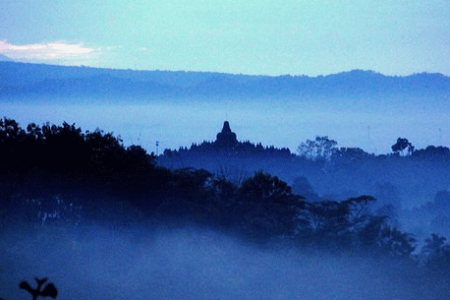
column 95, row 262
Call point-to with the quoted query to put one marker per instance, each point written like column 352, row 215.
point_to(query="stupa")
column 226, row 139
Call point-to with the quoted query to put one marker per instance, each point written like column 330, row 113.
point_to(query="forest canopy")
column 58, row 174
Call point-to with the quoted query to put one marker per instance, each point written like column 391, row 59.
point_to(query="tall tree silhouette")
column 401, row 145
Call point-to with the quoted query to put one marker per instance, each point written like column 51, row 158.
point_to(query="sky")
column 269, row 37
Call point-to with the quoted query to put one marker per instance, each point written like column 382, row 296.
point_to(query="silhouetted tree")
column 348, row 155
column 396, row 243
column 401, row 145
column 338, row 224
column 322, row 148
column 268, row 206
column 437, row 253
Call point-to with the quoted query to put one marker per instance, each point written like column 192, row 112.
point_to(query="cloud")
column 45, row 52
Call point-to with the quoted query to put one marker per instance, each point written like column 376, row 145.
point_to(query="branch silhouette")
column 48, row 291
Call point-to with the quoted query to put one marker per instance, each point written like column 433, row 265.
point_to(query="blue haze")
column 358, row 109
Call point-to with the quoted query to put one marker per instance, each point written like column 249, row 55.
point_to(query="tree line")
column 58, row 174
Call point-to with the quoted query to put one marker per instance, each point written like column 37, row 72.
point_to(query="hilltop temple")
column 226, row 139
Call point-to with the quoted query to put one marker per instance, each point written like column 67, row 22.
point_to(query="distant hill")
column 27, row 80
column 5, row 58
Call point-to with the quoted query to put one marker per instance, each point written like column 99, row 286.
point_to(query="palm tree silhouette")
column 48, row 291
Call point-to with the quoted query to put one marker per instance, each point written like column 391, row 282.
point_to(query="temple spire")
column 226, row 138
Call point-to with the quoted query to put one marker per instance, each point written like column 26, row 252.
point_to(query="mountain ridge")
column 24, row 80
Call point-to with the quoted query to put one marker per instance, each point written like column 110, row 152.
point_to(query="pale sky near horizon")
column 273, row 37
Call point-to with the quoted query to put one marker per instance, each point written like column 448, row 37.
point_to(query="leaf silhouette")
column 49, row 291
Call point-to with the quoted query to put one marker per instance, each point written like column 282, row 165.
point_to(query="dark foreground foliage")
column 59, row 174
column 41, row 290
column 49, row 290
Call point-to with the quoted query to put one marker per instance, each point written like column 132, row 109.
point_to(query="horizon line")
column 219, row 72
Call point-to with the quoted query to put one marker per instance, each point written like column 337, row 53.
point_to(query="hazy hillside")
column 5, row 58
column 24, row 80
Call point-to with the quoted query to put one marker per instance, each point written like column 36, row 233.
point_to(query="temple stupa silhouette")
column 226, row 139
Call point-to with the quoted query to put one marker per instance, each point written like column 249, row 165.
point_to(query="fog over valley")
column 196, row 185
column 190, row 263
